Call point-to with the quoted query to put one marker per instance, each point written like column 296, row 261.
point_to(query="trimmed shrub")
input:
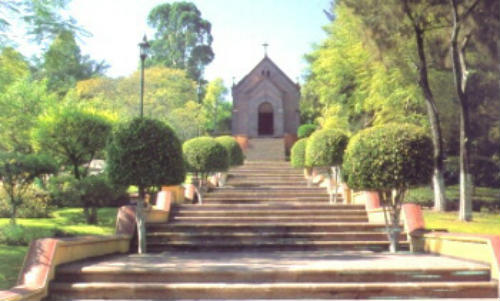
column 306, row 130
column 72, row 136
column 91, row 193
column 326, row 148
column 36, row 204
column 96, row 191
column 389, row 159
column 233, row 149
column 392, row 156
column 205, row 155
column 144, row 152
column 298, row 153
column 63, row 191
column 17, row 173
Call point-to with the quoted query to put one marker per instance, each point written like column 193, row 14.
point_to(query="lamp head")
column 144, row 47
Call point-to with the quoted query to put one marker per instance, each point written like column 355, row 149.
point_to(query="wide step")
column 104, row 290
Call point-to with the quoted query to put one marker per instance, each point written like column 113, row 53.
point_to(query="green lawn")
column 69, row 221
column 11, row 260
column 484, row 199
column 482, row 222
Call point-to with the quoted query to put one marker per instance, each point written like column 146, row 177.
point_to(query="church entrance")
column 266, row 119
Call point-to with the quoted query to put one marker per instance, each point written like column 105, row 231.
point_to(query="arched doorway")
column 266, row 119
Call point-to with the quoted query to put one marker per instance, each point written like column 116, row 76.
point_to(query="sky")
column 239, row 28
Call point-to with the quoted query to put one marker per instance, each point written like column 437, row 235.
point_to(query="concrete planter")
column 308, row 175
column 242, row 141
column 177, row 192
column 189, row 192
column 346, row 193
column 222, row 178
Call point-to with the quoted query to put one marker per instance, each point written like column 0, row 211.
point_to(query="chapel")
column 265, row 103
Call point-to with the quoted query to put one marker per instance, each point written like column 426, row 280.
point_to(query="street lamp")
column 144, row 47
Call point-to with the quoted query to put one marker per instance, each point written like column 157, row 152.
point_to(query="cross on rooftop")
column 265, row 48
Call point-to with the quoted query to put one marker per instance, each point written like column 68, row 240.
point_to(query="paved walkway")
column 271, row 261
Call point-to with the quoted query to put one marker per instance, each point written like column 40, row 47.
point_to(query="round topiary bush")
column 205, row 155
column 233, row 149
column 392, row 156
column 389, row 159
column 298, row 153
column 326, row 148
column 306, row 130
column 144, row 152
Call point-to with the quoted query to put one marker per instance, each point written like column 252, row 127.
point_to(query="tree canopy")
column 182, row 38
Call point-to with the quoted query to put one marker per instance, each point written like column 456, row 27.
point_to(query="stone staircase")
column 289, row 216
column 265, row 149
column 266, row 235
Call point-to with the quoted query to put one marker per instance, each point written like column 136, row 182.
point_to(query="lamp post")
column 144, row 47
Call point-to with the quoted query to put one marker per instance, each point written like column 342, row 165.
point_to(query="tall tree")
column 13, row 67
column 182, row 39
column 464, row 36
column 170, row 96
column 215, row 106
column 42, row 19
column 64, row 64
column 350, row 86
column 420, row 25
column 21, row 103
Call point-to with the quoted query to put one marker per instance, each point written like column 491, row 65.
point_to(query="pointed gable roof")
column 265, row 60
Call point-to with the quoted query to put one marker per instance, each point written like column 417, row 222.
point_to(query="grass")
column 452, row 193
column 11, row 259
column 483, row 197
column 69, row 221
column 482, row 222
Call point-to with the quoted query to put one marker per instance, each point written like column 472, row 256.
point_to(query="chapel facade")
column 265, row 103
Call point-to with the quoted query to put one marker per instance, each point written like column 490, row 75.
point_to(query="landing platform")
column 351, row 262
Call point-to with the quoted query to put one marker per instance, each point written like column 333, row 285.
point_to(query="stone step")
column 116, row 273
column 263, row 191
column 179, row 212
column 267, row 184
column 279, row 290
column 266, row 171
column 256, row 199
column 251, row 193
column 267, row 195
column 270, row 206
column 265, row 175
column 252, row 236
column 268, row 177
column 266, row 227
column 266, row 163
column 260, row 219
column 290, row 189
column 276, row 245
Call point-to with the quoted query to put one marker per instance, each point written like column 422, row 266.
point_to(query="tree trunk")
column 92, row 216
column 336, row 169
column 432, row 112
column 13, row 213
column 86, row 213
column 309, row 174
column 397, row 200
column 461, row 75
column 330, row 178
column 141, row 222
column 76, row 171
